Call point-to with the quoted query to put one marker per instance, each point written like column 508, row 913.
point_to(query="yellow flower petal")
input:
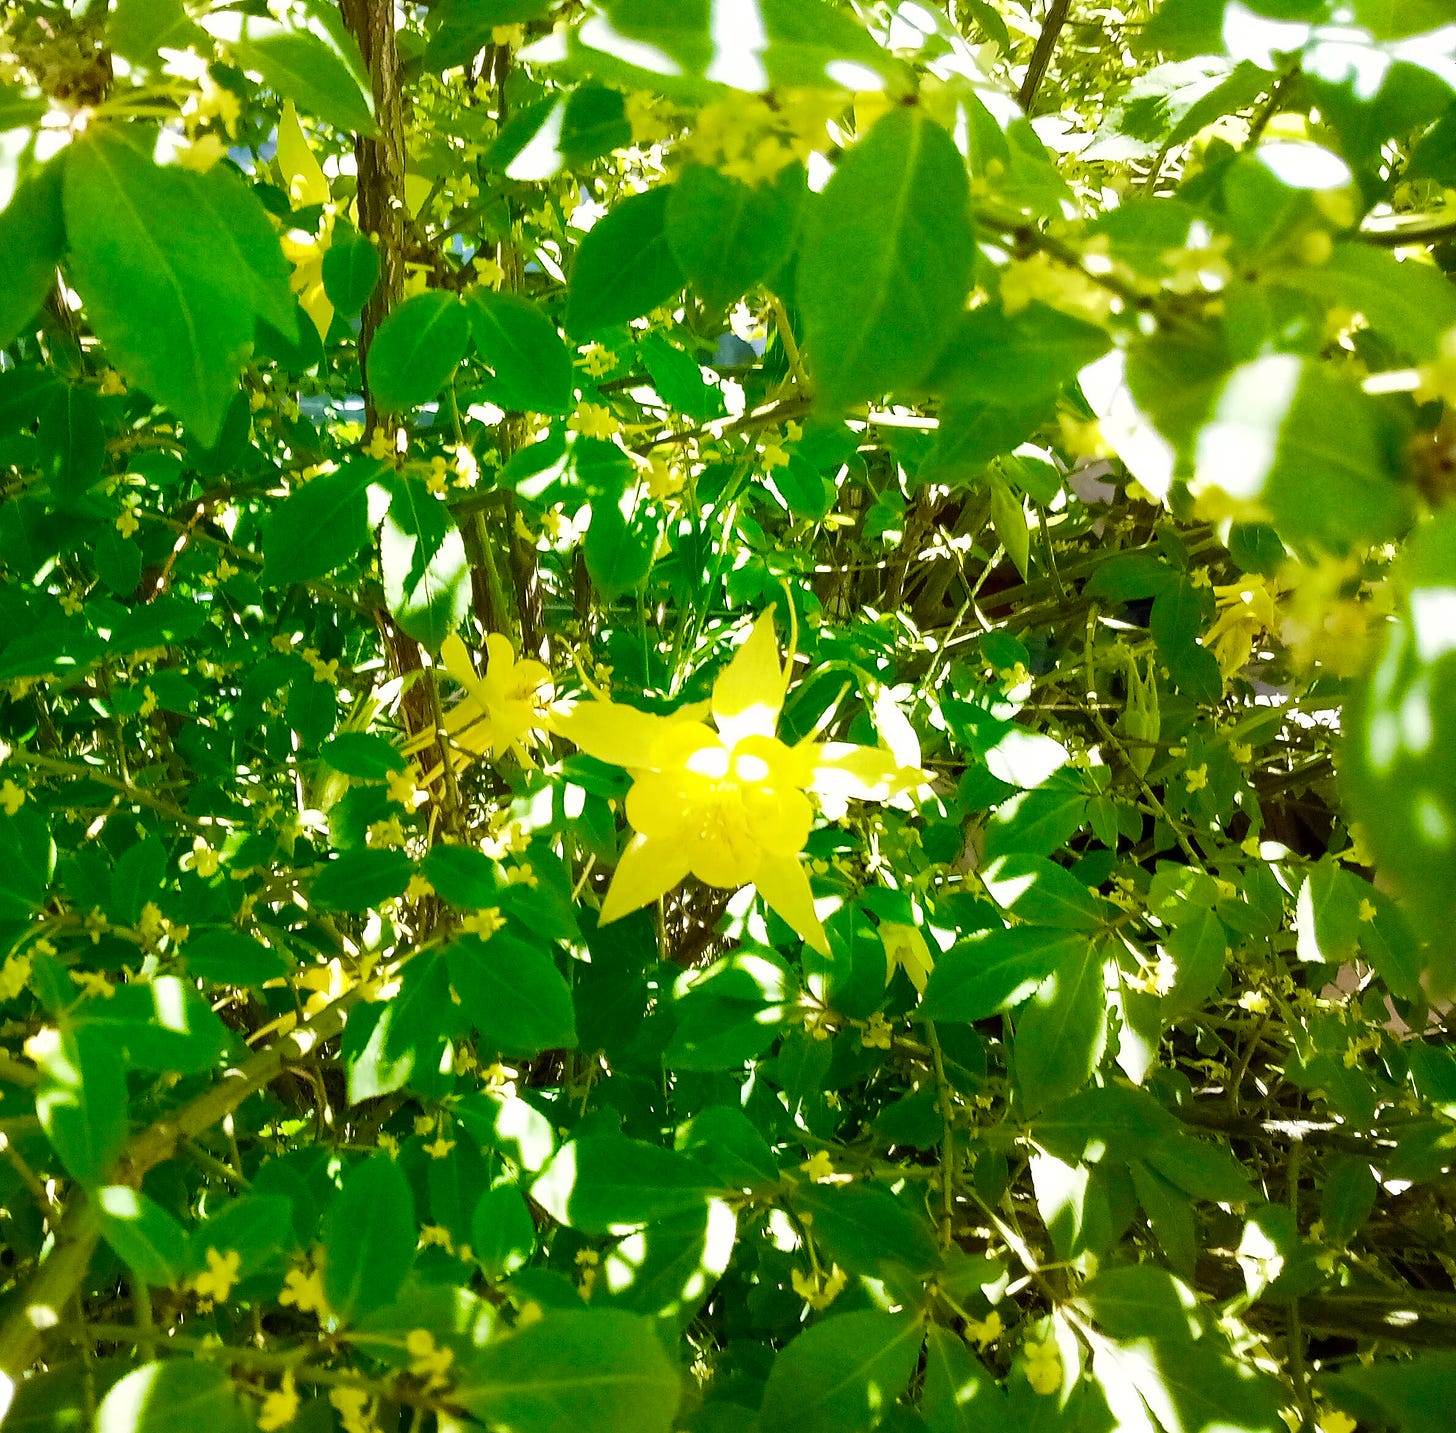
column 302, row 176
column 619, row 735
column 456, row 657
column 782, row 883
column 647, row 870
column 749, row 693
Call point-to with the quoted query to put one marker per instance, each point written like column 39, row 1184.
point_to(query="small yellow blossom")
column 402, row 789
column 280, row 1407
column 424, row 1124
column 112, row 385
column 14, row 976
column 1242, row 753
column 419, row 887
column 93, row 983
column 71, row 603
column 817, row 1291
column 1367, row 910
column 1255, row 1002
column 95, row 924
column 205, row 861
column 303, row 1289
column 436, row 1236
column 440, row 1147
column 1245, row 612
column 905, row 949
column 387, row 1143
column 984, row 1332
column 427, row 1360
column 483, row 923
column 876, row 1034
column 352, row 1405
column 12, row 797
column 225, row 570
column 1334, row 1420
column 388, row 832
column 465, row 465
column 1196, row 779
column 1043, row 1367
column 381, row 445
column 128, row 522
column 595, row 420
column 435, row 479
column 148, row 703
column 507, row 36
column 282, row 641
column 202, row 154
column 773, row 456
column 819, row 1167
column 217, row 1281
column 598, row 361
column 488, row 271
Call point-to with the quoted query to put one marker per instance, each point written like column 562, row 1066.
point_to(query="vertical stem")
column 1041, row 56
column 380, row 160
column 947, row 1153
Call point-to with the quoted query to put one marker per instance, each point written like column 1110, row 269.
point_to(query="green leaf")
column 321, row 526
column 160, row 1024
column 1399, row 758
column 1062, row 1030
column 843, row 1374
column 1035, row 822
column 140, row 28
column 32, row 243
column 1307, row 448
column 960, row 1394
column 27, row 862
column 179, row 1393
column 668, row 1270
column 604, row 1184
column 359, row 880
column 463, row 876
column 994, row 969
column 160, row 276
column 502, row 1232
column 1327, row 914
column 1178, row 616
column 513, row 993
column 72, row 443
column 594, row 1371
column 618, row 552
column 423, row 563
column 81, row 1100
column 367, row 755
column 227, row 957
column 369, row 1238
column 1415, row 1394
column 624, row 266
column 678, row 49
column 1189, row 1387
column 727, row 235
column 886, row 260
column 971, row 433
column 1015, row 360
column 350, row 270
column 1038, row 890
column 145, row 1237
column 1140, row 1301
column 533, row 372
column 387, row 1043
column 1199, row 947
column 138, row 876
column 464, row 27
column 317, row 67
column 416, row 350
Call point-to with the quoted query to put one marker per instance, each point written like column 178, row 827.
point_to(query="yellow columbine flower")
column 727, row 805
column 502, row 709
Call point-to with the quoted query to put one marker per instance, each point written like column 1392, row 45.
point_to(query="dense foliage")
column 728, row 715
